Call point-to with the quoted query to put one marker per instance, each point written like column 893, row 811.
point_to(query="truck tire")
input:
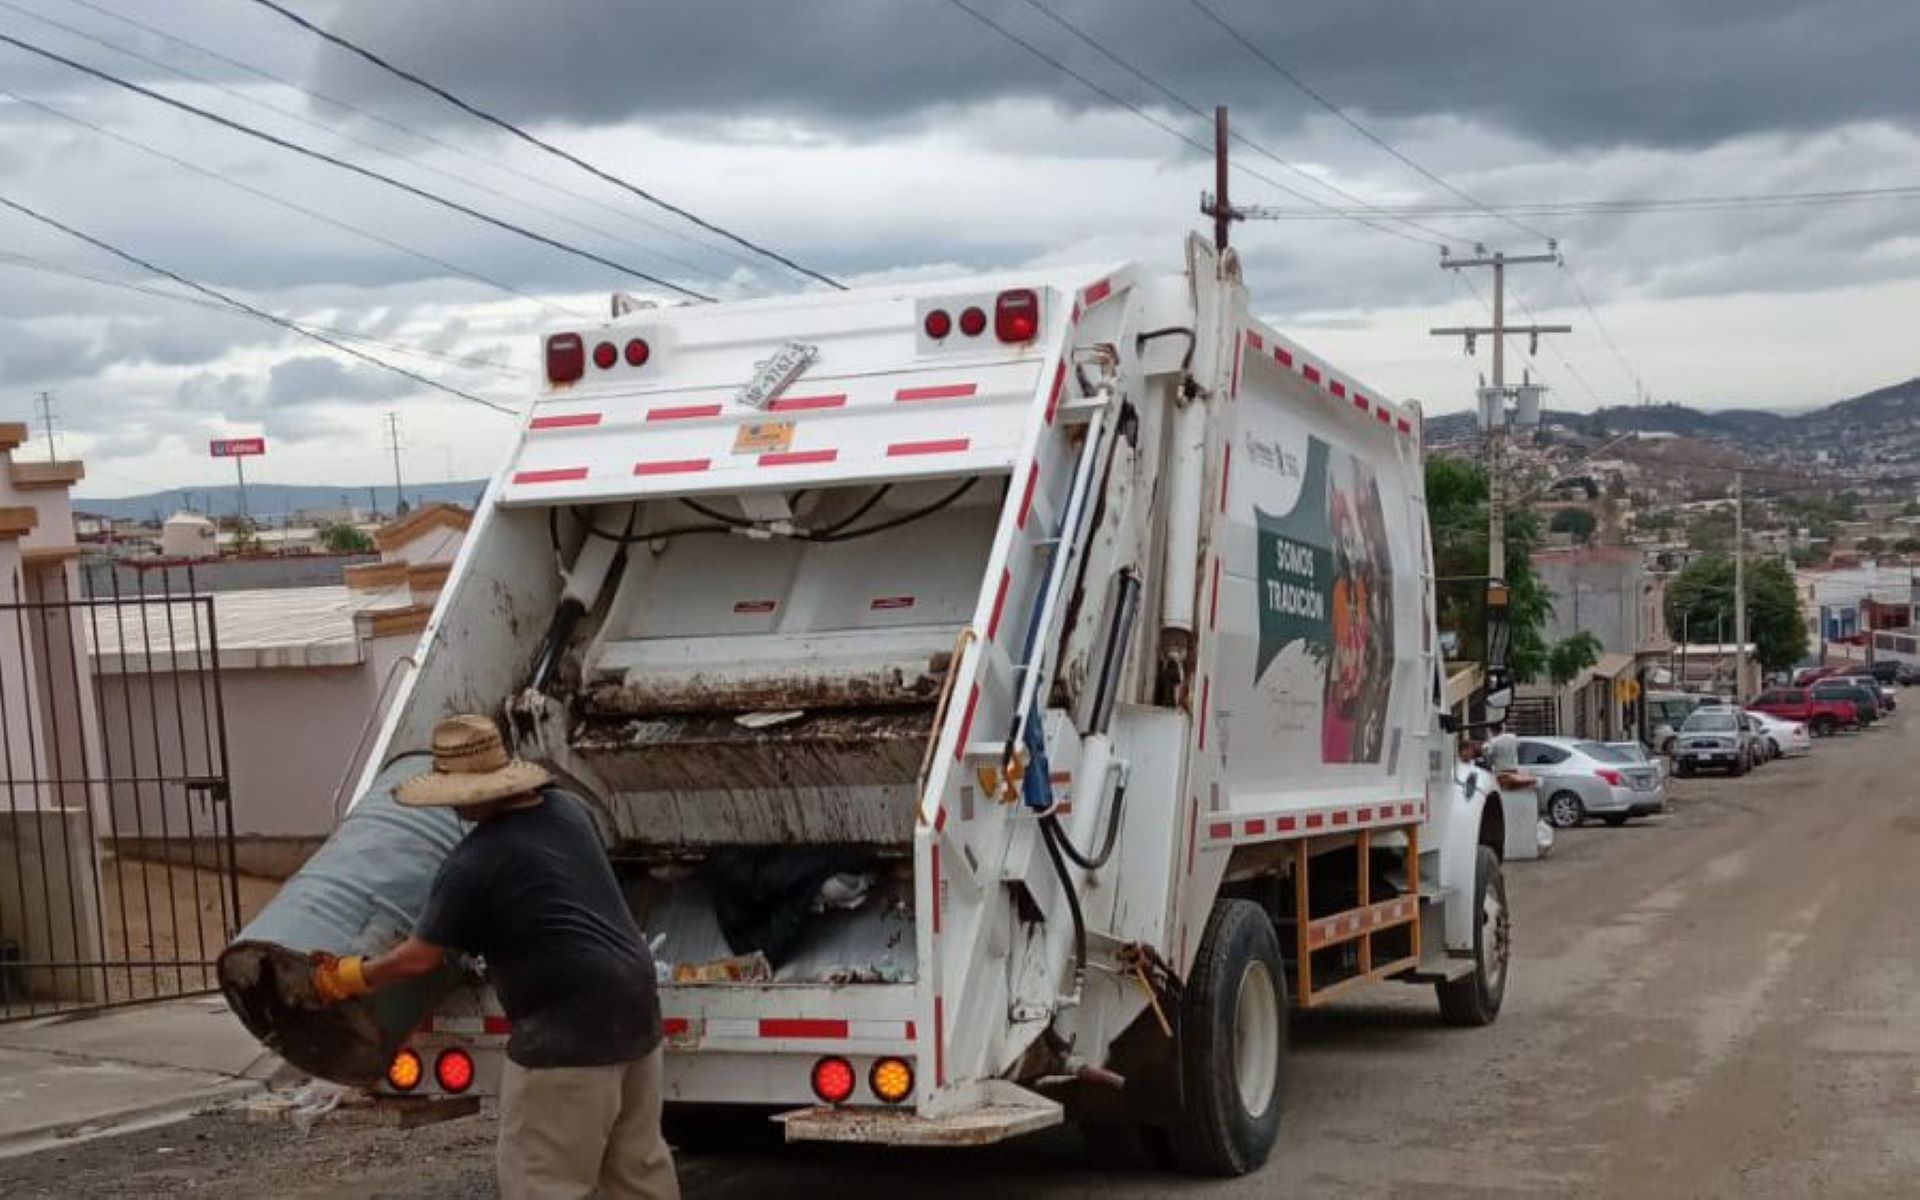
column 1823, row 726
column 1564, row 810
column 1474, row 999
column 1233, row 1043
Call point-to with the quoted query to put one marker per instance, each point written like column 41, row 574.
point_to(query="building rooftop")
column 279, row 627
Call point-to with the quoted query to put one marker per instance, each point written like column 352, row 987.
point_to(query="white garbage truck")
column 1004, row 700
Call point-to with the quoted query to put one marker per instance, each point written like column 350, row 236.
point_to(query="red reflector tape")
column 497, row 1025
column 1282, row 356
column 951, row 391
column 796, row 458
column 999, row 603
column 683, row 412
column 751, row 607
column 803, row 403
column 1099, row 291
column 1386, row 418
column 570, row 421
column 1255, row 341
column 673, row 1026
column 819, row 1028
column 1360, row 402
column 885, row 602
column 939, row 446
column 1219, row 829
column 1311, row 372
column 1404, row 425
column 1053, row 397
column 556, row 475
column 1337, row 388
column 1026, row 500
column 966, row 722
column 672, row 466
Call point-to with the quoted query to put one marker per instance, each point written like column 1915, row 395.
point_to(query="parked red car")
column 1822, row 717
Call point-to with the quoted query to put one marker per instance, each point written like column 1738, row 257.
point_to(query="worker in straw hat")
column 529, row 890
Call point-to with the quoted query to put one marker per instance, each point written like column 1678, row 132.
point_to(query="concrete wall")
column 1603, row 591
column 220, row 575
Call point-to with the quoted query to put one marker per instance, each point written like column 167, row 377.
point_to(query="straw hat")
column 470, row 766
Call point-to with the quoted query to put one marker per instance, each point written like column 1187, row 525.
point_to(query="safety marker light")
column 891, row 1080
column 938, row 324
column 638, row 352
column 833, row 1080
column 404, row 1072
column 973, row 322
column 454, row 1070
column 605, row 355
column 566, row 358
column 1016, row 315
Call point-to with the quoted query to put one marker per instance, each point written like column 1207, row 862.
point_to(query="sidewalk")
column 69, row 1077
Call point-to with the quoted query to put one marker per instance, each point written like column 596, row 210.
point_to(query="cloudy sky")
column 873, row 139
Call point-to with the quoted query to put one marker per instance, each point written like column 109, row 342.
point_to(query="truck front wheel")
column 1474, row 998
column 1233, row 1041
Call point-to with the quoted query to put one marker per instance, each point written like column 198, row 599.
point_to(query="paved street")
column 1721, row 1002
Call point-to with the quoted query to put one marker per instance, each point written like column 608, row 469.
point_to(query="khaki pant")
column 565, row 1131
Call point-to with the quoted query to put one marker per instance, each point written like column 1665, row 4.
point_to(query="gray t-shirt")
column 531, row 892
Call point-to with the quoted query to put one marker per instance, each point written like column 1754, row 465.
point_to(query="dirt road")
column 1721, row 1002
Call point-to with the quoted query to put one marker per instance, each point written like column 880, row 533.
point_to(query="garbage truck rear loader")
column 1003, row 700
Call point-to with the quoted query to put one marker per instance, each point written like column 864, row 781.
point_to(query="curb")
column 128, row 1120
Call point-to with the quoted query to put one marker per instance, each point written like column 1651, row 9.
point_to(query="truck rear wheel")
column 1474, row 999
column 1233, row 1042
column 1824, row 726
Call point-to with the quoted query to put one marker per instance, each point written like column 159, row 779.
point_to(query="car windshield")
column 1710, row 722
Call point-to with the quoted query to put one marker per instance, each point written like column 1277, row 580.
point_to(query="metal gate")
column 117, row 876
column 1534, row 716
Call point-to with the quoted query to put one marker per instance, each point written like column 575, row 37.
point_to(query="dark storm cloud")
column 1651, row 72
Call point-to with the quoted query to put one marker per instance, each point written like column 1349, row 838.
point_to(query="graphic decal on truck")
column 1326, row 591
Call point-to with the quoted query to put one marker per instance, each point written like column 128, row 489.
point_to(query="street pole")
column 1494, row 442
column 1739, row 592
column 240, row 472
column 46, row 426
column 1215, row 204
column 393, row 442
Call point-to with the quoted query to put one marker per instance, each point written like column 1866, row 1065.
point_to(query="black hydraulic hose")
column 1107, row 844
column 1186, row 361
column 860, row 510
column 1050, row 835
column 903, row 518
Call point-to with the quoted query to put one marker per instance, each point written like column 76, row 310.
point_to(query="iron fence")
column 117, row 873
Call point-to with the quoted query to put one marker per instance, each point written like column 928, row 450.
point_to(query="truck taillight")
column 453, row 1070
column 638, row 352
column 1016, row 315
column 605, row 355
column 404, row 1072
column 833, row 1080
column 566, row 358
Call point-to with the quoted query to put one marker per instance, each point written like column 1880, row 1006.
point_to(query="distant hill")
column 1880, row 429
column 271, row 501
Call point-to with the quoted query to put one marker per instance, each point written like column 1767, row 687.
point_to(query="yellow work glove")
column 338, row 979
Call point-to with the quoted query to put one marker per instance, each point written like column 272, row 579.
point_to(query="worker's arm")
column 337, row 979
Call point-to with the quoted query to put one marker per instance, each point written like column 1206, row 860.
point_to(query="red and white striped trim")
column 949, row 391
column 565, row 421
column 1386, row 413
column 488, row 1026
column 933, row 446
column 807, row 403
column 551, row 475
column 791, row 1029
column 1266, row 827
column 672, row 466
column 1346, row 926
column 683, row 412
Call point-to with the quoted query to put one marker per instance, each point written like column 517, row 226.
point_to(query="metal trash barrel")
column 360, row 893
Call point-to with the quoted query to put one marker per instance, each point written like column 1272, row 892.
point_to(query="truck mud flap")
column 1008, row 1112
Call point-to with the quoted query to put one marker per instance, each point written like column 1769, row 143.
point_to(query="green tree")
column 1712, row 532
column 246, row 537
column 1571, row 655
column 1701, row 599
column 1457, row 511
column 342, row 538
column 1872, row 545
column 1578, row 522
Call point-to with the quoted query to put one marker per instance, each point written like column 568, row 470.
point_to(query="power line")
column 1143, row 76
column 269, row 197
column 1626, row 205
column 1639, row 386
column 343, row 164
column 323, row 339
column 509, row 127
column 1115, row 98
column 344, row 106
column 28, row 262
column 1314, row 95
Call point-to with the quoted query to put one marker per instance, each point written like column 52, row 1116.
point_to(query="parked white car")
column 1784, row 739
column 1580, row 779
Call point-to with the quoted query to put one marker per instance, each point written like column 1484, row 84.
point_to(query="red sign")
column 237, row 447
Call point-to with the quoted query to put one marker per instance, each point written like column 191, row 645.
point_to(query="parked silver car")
column 1722, row 738
column 1580, row 779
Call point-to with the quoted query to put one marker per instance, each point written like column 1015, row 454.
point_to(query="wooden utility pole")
column 1494, row 442
column 1216, row 204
